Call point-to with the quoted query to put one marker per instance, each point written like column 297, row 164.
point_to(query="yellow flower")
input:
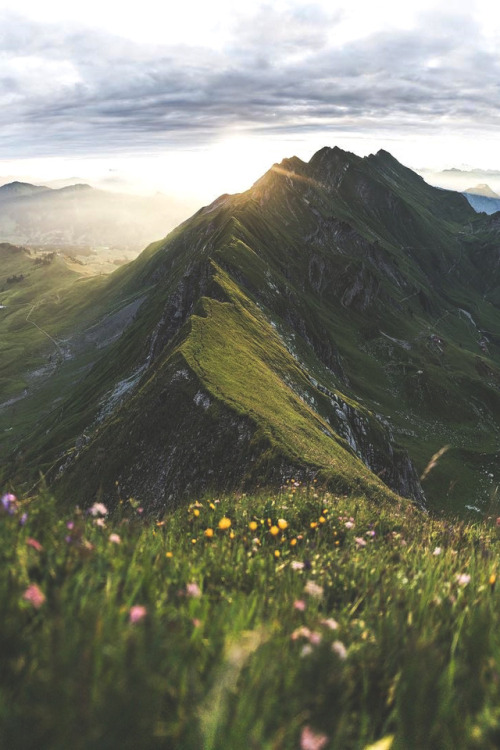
column 232, row 535
column 493, row 579
column 252, row 525
column 276, row 553
column 169, row 554
column 313, row 524
column 282, row 524
column 196, row 512
column 209, row 533
column 212, row 506
column 293, row 542
column 193, row 541
column 322, row 519
column 224, row 523
column 274, row 530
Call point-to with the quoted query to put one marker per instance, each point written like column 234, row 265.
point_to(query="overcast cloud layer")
column 69, row 89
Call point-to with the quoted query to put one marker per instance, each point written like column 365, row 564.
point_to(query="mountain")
column 78, row 218
column 337, row 321
column 481, row 201
column 483, row 189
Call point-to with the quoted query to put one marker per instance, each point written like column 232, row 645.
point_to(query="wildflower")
column 313, row 524
column 462, row 579
column 299, row 604
column 98, row 509
column 370, row 533
column 313, row 589
column 492, row 581
column 302, row 632
column 196, row 512
column 193, row 590
column 35, row 544
column 232, row 535
column 282, row 524
column 349, row 524
column 209, row 533
column 311, row 740
column 306, row 650
column 322, row 519
column 224, row 523
column 137, row 613
column 100, row 522
column 169, row 554
column 34, row 596
column 193, row 541
column 115, row 539
column 330, row 623
column 70, row 525
column 297, row 565
column 212, row 506
column 437, row 551
column 277, row 553
column 23, row 519
column 360, row 541
column 339, row 649
column 196, row 622
column 253, row 525
column 9, row 503
column 293, row 542
column 274, row 530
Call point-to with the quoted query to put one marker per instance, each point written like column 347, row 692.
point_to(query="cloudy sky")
column 198, row 98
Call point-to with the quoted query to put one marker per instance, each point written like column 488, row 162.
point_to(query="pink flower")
column 137, row 613
column 437, row 551
column 311, row 740
column 463, row 579
column 34, row 596
column 33, row 543
column 349, row 525
column 360, row 541
column 115, row 539
column 192, row 589
column 296, row 565
column 330, row 623
column 300, row 605
column 339, row 649
column 98, row 509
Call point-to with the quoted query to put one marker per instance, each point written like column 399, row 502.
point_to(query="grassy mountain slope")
column 336, row 318
column 272, row 620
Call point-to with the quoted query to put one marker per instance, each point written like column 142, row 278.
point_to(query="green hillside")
column 270, row 620
column 338, row 320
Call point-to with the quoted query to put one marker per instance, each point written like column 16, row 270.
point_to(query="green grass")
column 348, row 622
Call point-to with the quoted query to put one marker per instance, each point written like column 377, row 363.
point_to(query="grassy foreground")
column 294, row 620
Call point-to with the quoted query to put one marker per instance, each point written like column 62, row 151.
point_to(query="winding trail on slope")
column 61, row 353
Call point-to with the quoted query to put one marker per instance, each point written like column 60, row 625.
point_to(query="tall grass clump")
column 297, row 619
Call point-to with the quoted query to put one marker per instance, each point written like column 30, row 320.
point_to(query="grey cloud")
column 87, row 91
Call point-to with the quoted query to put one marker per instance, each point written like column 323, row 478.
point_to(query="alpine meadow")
column 249, row 493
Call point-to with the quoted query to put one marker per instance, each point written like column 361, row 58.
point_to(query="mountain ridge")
column 362, row 279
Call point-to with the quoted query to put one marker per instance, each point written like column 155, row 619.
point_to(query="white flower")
column 98, row 509
column 313, row 589
column 339, row 649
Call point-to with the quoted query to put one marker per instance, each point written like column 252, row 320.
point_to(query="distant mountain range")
column 483, row 199
column 339, row 320
column 79, row 216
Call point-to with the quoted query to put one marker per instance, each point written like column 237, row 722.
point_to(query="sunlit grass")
column 271, row 621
